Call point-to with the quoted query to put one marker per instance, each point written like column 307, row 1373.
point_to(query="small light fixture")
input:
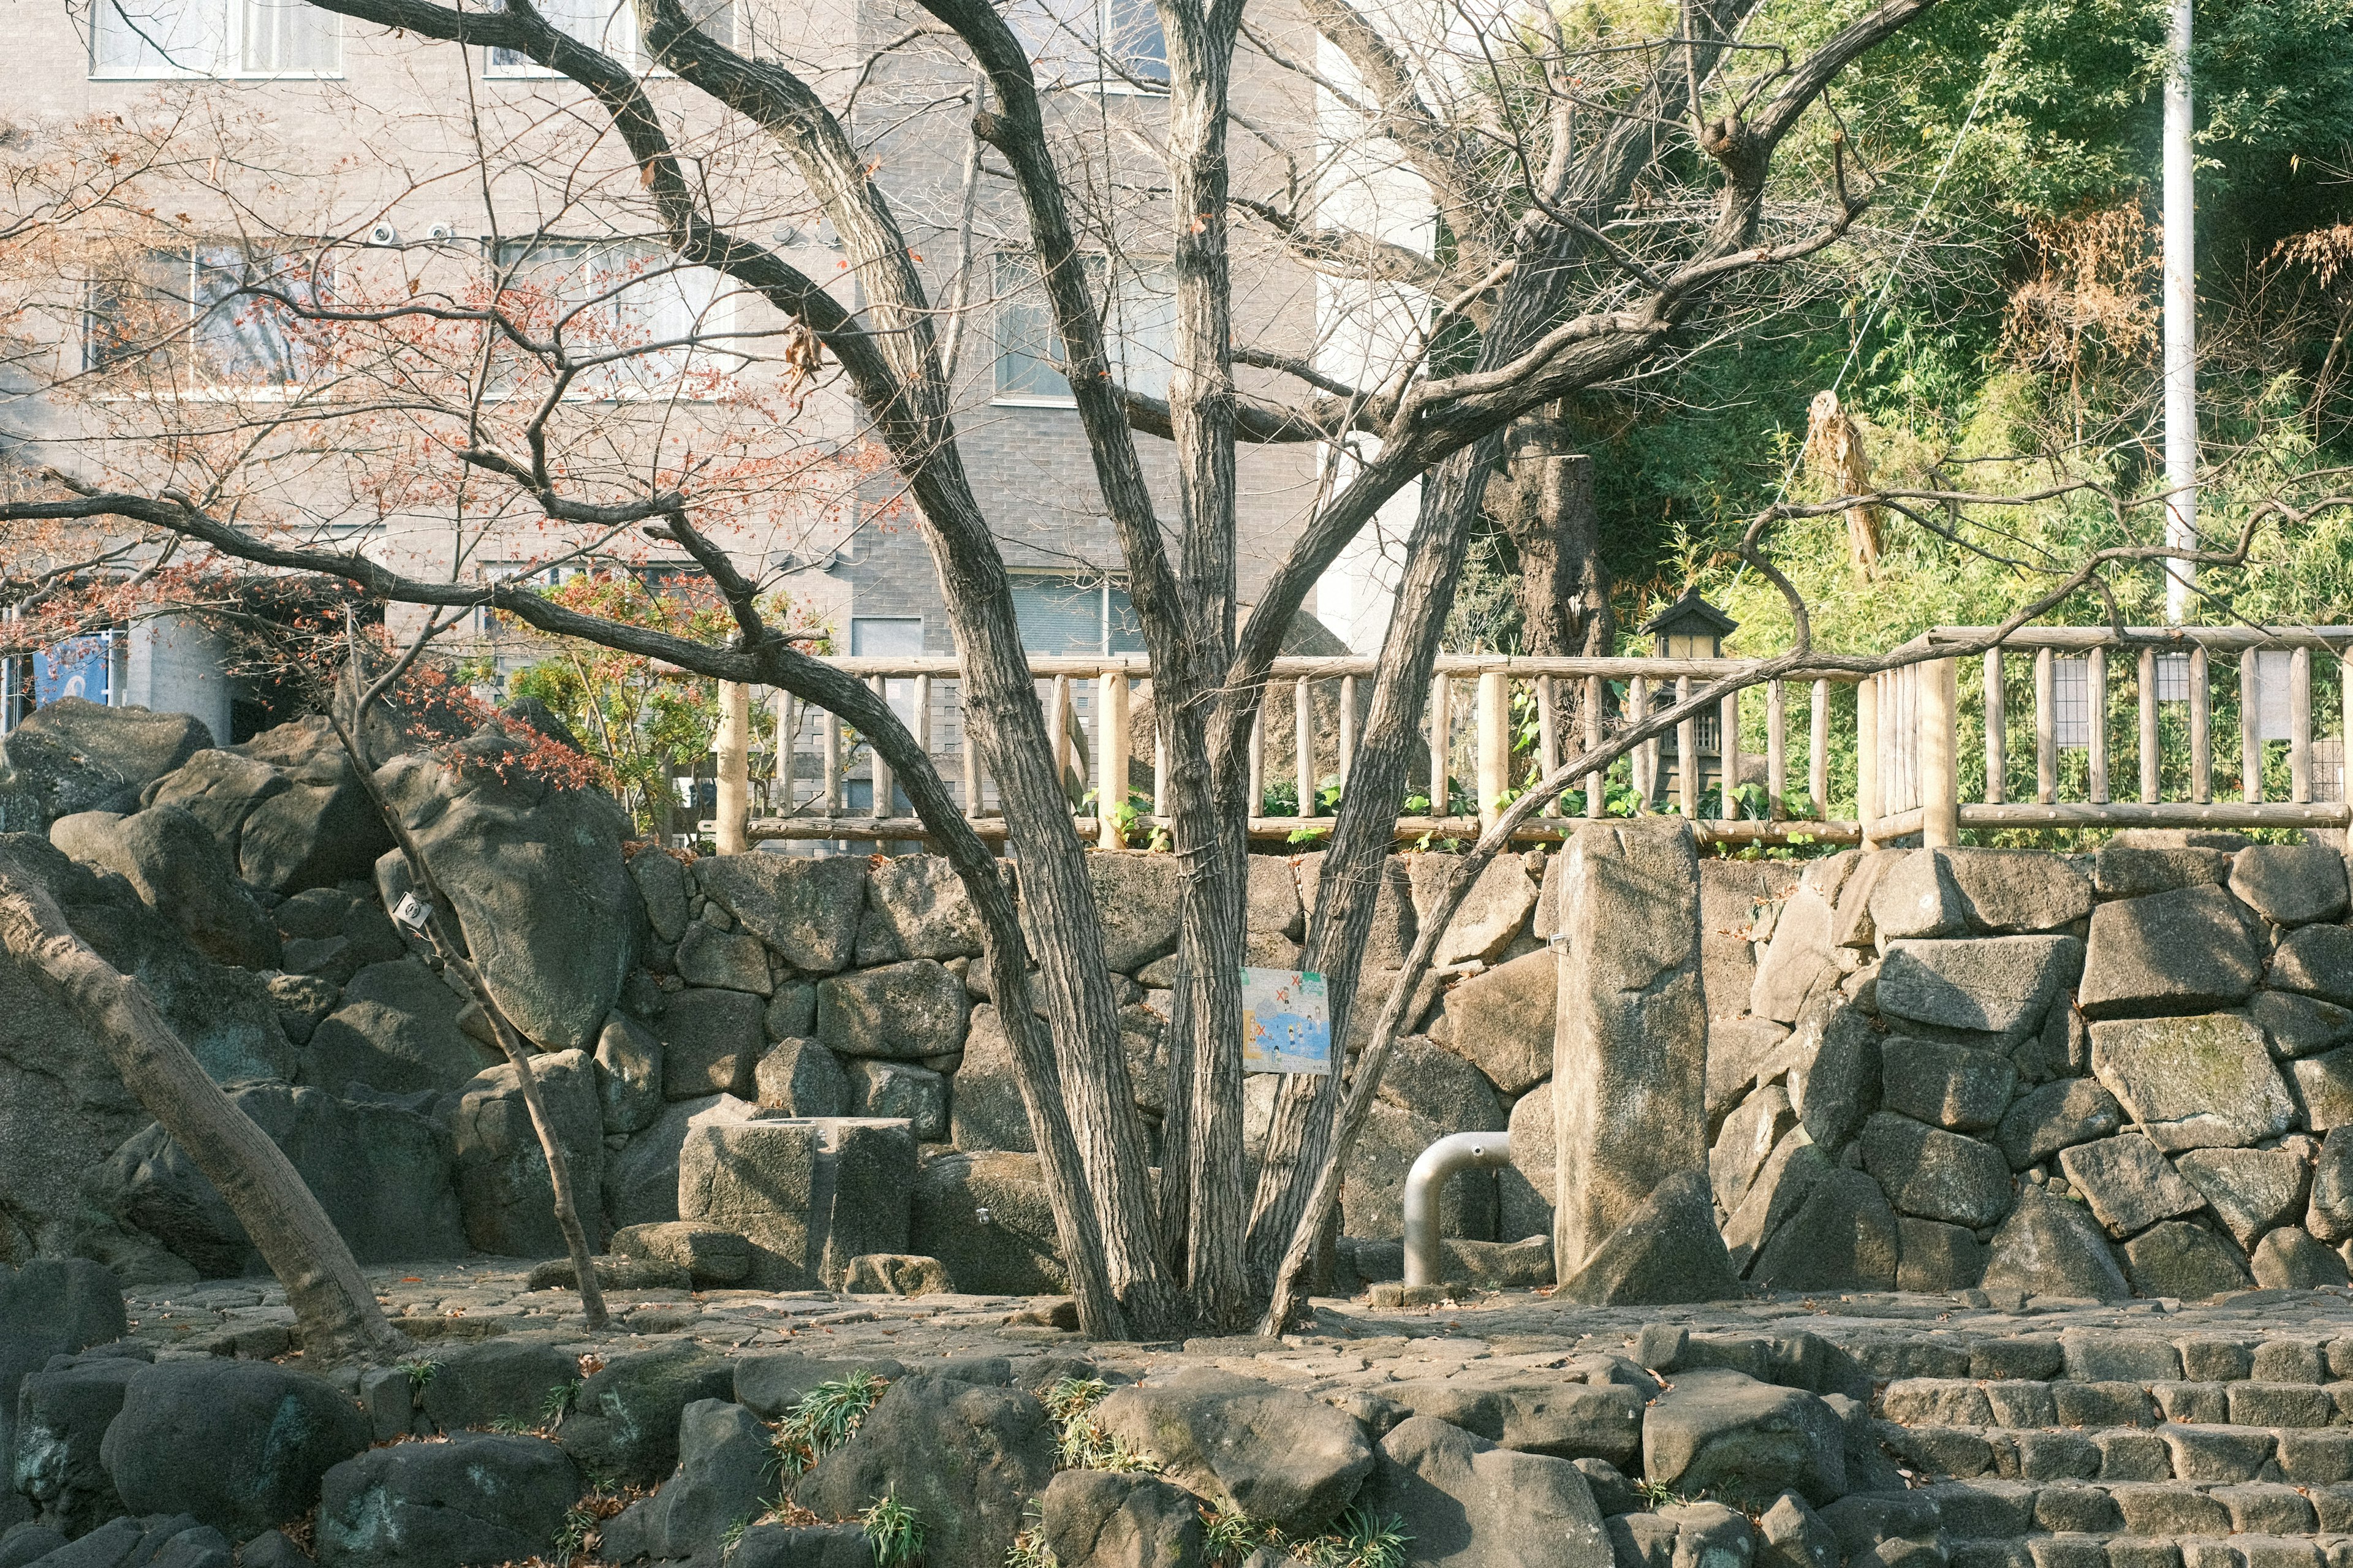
column 1691, row 627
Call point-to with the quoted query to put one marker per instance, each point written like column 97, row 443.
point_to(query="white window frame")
column 616, row 35
column 196, row 383
column 705, row 308
column 225, row 60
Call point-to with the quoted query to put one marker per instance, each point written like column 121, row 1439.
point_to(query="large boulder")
column 1915, row 896
column 2129, row 1183
column 629, row 1074
column 1372, row 1198
column 504, row 1190
column 2018, row 890
column 1524, row 1188
column 806, row 907
column 665, row 887
column 2317, row 961
column 240, row 1444
column 1138, row 897
column 1837, row 1232
column 2183, row 1260
column 916, row 906
column 50, row 1308
column 711, row 1043
column 62, row 1415
column 1796, row 960
column 625, row 1419
column 1778, row 1190
column 1465, row 1503
column 382, row 1173
column 64, row 1108
column 2181, row 951
column 177, row 867
column 1724, row 1433
column 1394, row 926
column 801, row 1078
column 1493, row 911
column 641, row 1177
column 901, row 1011
column 2126, row 871
column 501, row 1379
column 396, row 1032
column 1959, row 1088
column 725, row 1462
column 2250, row 1190
column 1746, row 1142
column 986, row 1110
column 2193, row 1083
column 319, row 830
column 901, row 1091
column 759, row 1180
column 1502, row 1020
column 2329, row 1215
column 733, row 960
column 1669, row 1250
column 1270, row 1453
column 2290, row 884
column 1996, row 985
column 1835, row 1071
column 547, row 906
column 966, row 1459
column 2049, row 1246
column 1093, row 1519
column 1931, row 1173
column 985, row 1216
column 76, row 755
column 479, row 1499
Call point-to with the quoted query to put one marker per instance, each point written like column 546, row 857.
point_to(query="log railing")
column 2060, row 717
column 1494, row 721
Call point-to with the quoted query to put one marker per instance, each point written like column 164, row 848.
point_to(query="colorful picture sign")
column 1286, row 1024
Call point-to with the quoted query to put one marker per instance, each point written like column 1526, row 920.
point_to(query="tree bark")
column 1547, row 511
column 332, row 1305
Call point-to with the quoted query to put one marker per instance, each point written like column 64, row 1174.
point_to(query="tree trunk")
column 332, row 1305
column 1563, row 588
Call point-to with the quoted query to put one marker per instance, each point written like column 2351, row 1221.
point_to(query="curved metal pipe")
column 1425, row 1184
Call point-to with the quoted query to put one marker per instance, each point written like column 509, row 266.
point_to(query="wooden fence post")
column 1110, row 756
column 1494, row 745
column 1866, row 758
column 1938, row 753
column 732, row 745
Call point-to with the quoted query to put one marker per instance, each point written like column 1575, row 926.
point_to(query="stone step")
column 2105, row 1357
column 2172, row 1451
column 1995, row 1509
column 2073, row 1549
column 2066, row 1402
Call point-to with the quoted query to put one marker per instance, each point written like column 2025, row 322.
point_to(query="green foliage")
column 1081, row 1443
column 824, row 1420
column 1362, row 1540
column 1030, row 1549
column 421, row 1373
column 894, row 1532
column 557, row 1402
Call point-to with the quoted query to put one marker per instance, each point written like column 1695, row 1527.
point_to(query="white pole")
column 2180, row 319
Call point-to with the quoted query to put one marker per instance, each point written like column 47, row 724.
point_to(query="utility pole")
column 2180, row 319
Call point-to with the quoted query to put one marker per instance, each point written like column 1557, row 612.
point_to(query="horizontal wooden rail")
column 2165, row 814
column 1284, row 829
column 2222, row 639
column 1517, row 666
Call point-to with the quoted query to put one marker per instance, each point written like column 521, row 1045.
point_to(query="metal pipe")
column 1425, row 1184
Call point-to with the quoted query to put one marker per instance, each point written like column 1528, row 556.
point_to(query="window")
column 610, row 26
column 1075, row 614
column 2273, row 720
column 1142, row 328
column 1134, row 47
column 2173, row 677
column 2071, row 701
column 613, row 297
column 1113, row 46
column 192, row 316
column 138, row 38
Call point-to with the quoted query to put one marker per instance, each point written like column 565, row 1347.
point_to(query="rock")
column 51, row 1307
column 2180, row 1259
column 2193, row 1083
column 2329, row 1215
column 494, row 1379
column 986, row 1111
column 1779, row 1189
column 2049, row 1246
column 725, row 1463
column 333, row 933
column 1630, row 1055
column 900, row 1090
column 61, row 1415
column 240, row 1444
column 2131, row 871
column 322, row 828
column 900, row 1011
column 2018, row 890
column 1791, row 1534
column 1524, row 1188
column 1937, row 1256
column 2290, row 884
column 504, row 1190
column 1372, row 1198
column 177, row 867
column 1426, row 1078
column 711, row 1256
column 1796, row 960
column 1835, row 1072
column 1839, row 1234
column 1095, row 1520
column 1466, row 1503
column 1502, row 1021
column 2129, row 1183
column 1746, row 1141
column 219, row 789
column 625, row 1419
column 805, row 907
column 1273, row 908
column 966, row 1459
column 158, row 1540
column 1931, row 1173
column 1997, row 985
column 1728, row 1434
column 615, row 1275
column 2251, row 1190
column 482, row 1498
column 1492, row 914
column 895, row 1274
column 872, row 1167
column 1269, row 1452
column 727, row 960
column 2289, row 1259
column 712, row 1042
column 384, row 1175
column 1137, row 896
column 1916, row 897
column 72, row 755
column 547, row 905
column 2050, row 1118
column 801, row 1078
column 758, row 1179
column 1014, row 1250
column 663, row 884
column 2317, row 961
column 1740, row 1051
column 1394, row 925
column 1669, row 1250
column 641, row 1179
column 918, row 905
column 396, row 1032
column 1953, row 1086
column 2174, row 952
column 629, row 1074
column 2300, row 1025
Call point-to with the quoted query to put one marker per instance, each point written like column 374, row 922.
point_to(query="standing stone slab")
column 1796, row 960
column 2169, row 952
column 1995, row 985
column 1630, row 1055
column 2193, row 1083
column 758, row 1179
column 806, row 907
column 1501, row 1022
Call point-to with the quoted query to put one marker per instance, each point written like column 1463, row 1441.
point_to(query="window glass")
column 1093, row 44
column 283, row 36
column 213, row 38
column 1029, row 348
column 192, row 315
column 1132, row 43
column 607, row 297
column 1074, row 614
column 609, row 27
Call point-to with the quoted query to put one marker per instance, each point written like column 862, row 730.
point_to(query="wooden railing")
column 1480, row 749
column 2172, row 690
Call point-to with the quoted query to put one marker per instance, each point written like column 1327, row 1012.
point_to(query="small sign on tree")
column 1286, row 1023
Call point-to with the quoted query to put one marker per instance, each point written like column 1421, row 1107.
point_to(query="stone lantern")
column 1691, row 627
